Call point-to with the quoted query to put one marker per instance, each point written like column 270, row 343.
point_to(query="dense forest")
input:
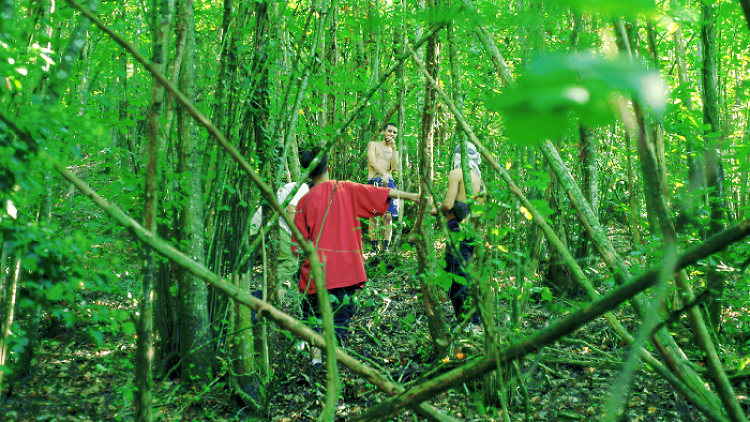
column 138, row 139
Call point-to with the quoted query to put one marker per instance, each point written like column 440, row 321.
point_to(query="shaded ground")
column 74, row 380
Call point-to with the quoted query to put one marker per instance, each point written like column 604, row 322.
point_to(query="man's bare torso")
column 383, row 154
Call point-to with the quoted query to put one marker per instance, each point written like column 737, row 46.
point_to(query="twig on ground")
column 586, row 344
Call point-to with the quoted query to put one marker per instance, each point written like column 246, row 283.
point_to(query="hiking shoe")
column 471, row 328
column 474, row 329
column 317, row 357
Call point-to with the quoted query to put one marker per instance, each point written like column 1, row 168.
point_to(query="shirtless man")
column 382, row 159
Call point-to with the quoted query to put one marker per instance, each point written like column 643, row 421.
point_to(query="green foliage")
column 542, row 293
column 614, row 8
column 558, row 90
column 441, row 14
column 444, row 279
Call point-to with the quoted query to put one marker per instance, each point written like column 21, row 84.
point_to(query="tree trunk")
column 265, row 146
column 657, row 128
column 422, row 226
column 589, row 164
column 194, row 326
column 399, row 46
column 9, row 287
column 244, row 370
column 714, row 167
column 162, row 18
column 332, row 59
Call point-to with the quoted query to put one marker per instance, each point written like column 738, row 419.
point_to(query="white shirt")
column 281, row 195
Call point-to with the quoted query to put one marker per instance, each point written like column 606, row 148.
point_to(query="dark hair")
column 308, row 156
column 385, row 126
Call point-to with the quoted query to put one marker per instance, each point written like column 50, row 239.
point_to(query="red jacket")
column 328, row 215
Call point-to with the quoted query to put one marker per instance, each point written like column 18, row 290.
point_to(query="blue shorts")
column 378, row 181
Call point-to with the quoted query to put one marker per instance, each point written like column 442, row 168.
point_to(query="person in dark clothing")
column 456, row 211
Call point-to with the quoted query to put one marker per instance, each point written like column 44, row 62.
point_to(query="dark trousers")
column 457, row 265
column 343, row 310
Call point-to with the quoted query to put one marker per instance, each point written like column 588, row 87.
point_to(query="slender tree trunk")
column 64, row 69
column 625, row 36
column 124, row 137
column 589, row 164
column 228, row 64
column 9, row 278
column 194, row 326
column 589, row 157
column 714, row 167
column 657, row 129
column 244, row 370
column 332, row 59
column 162, row 17
column 399, row 45
column 425, row 245
column 266, row 148
column 166, row 305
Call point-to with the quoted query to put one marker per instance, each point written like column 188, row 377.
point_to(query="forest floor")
column 75, row 380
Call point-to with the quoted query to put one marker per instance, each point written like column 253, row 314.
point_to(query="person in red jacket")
column 328, row 215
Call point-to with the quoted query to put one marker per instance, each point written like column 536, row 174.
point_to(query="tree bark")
column 422, row 227
column 714, row 167
column 9, row 284
column 657, row 128
column 162, row 11
column 193, row 294
column 399, row 49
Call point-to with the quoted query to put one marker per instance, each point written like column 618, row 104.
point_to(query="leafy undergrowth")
column 74, row 380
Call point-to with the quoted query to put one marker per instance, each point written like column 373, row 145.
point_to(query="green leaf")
column 97, row 335
column 444, row 280
column 546, row 294
column 128, row 328
column 57, row 292
column 541, row 181
column 128, row 395
column 6, row 370
column 542, row 207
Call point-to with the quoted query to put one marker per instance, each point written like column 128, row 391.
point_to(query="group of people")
column 328, row 214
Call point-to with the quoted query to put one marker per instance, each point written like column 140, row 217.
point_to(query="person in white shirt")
column 288, row 264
